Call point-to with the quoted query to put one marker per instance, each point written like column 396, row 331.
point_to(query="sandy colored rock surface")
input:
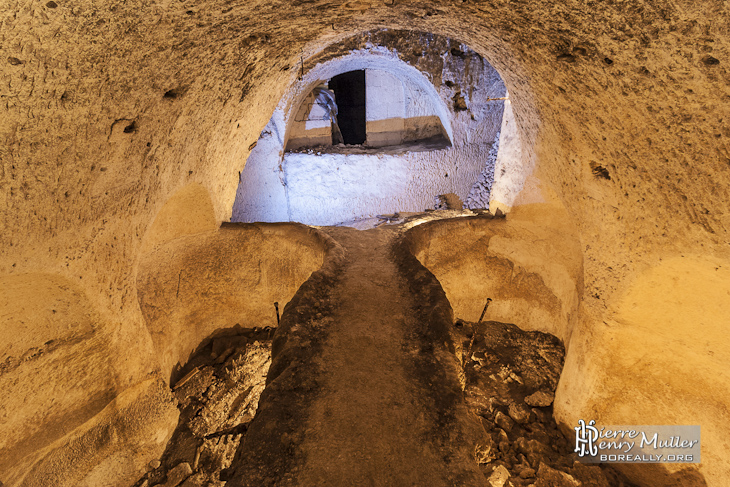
column 532, row 272
column 114, row 447
column 108, row 111
column 192, row 286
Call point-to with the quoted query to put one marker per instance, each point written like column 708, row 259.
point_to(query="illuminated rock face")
column 110, row 112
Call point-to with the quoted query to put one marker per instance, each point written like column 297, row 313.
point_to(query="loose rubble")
column 481, row 190
column 218, row 392
column 509, row 379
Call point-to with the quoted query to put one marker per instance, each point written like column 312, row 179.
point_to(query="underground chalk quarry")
column 200, row 284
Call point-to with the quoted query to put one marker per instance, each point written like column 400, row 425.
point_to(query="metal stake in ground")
column 489, row 300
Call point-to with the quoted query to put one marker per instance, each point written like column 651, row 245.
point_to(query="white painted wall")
column 261, row 194
column 510, row 170
column 325, row 189
column 385, row 108
column 311, row 125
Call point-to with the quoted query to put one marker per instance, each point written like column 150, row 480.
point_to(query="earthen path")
column 383, row 408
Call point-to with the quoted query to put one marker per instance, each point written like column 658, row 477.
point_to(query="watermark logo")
column 637, row 444
column 585, row 439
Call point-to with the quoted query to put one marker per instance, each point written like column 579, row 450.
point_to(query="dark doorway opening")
column 349, row 91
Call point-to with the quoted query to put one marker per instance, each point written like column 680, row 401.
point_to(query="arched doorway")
column 430, row 130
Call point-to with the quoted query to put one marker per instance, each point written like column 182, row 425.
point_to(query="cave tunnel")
column 415, row 142
column 165, row 179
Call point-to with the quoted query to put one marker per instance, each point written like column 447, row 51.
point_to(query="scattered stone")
column 529, row 358
column 531, row 446
column 481, row 405
column 216, row 402
column 484, row 452
column 535, row 451
column 499, row 477
column 538, row 432
column 509, row 378
column 540, row 399
column 519, row 413
column 233, row 398
column 589, row 475
column 197, row 480
column 503, row 421
column 218, row 452
column 542, row 415
column 527, row 473
column 549, row 477
column 480, row 358
column 187, row 388
column 502, row 435
column 176, row 476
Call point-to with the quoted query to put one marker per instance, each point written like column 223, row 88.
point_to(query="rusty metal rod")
column 489, row 300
